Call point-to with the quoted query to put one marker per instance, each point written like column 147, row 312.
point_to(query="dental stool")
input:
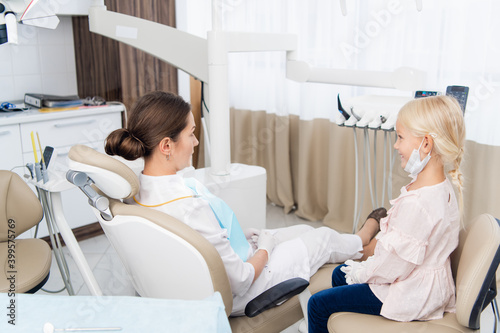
column 165, row 258
column 25, row 263
column 473, row 263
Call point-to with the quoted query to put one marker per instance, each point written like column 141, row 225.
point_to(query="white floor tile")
column 111, row 277
column 98, row 244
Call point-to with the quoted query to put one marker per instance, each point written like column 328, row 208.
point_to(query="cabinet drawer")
column 10, row 147
column 70, row 131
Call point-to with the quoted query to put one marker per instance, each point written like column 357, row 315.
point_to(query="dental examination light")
column 8, row 24
column 40, row 13
column 37, row 13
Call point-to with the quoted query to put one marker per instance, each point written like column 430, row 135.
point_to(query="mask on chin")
column 414, row 165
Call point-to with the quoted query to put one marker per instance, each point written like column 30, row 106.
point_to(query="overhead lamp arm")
column 180, row 49
column 403, row 78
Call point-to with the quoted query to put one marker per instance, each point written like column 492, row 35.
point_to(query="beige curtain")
column 311, row 167
column 258, row 138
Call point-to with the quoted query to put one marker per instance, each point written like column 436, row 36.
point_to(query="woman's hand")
column 266, row 242
column 252, row 236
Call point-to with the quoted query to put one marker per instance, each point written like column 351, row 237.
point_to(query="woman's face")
column 405, row 143
column 183, row 149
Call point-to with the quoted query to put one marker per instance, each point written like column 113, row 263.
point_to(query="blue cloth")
column 225, row 216
column 340, row 298
column 132, row 314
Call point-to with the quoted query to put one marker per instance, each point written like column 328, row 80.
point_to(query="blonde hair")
column 440, row 115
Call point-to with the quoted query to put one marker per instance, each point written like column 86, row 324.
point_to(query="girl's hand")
column 352, row 270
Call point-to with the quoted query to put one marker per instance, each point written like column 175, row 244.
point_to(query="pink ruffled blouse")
column 410, row 270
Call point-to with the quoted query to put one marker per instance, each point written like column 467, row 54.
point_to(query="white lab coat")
column 293, row 257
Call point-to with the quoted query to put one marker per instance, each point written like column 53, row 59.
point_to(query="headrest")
column 111, row 176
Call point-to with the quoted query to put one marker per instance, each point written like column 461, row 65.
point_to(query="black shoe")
column 378, row 214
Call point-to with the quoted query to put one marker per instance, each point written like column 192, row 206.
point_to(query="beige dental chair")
column 474, row 264
column 25, row 263
column 164, row 257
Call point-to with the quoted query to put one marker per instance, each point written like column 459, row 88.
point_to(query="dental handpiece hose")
column 45, row 174
column 38, row 172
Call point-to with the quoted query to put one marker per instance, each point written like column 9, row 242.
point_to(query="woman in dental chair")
column 161, row 129
column 409, row 276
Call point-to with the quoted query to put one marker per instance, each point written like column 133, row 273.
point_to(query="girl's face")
column 405, row 143
column 183, row 149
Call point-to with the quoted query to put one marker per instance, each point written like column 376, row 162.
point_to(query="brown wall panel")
column 97, row 65
column 117, row 71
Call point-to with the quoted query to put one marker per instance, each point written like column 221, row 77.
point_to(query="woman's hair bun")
column 123, row 143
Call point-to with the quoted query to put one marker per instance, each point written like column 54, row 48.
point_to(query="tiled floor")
column 113, row 280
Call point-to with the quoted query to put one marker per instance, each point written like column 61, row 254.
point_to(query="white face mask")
column 414, row 165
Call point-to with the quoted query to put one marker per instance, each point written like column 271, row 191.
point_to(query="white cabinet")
column 61, row 130
column 10, row 147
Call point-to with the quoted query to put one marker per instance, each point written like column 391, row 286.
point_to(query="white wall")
column 42, row 62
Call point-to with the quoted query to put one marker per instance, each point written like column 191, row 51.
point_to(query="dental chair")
column 474, row 264
column 165, row 258
column 25, row 263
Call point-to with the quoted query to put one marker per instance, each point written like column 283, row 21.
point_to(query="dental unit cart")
column 371, row 114
column 61, row 130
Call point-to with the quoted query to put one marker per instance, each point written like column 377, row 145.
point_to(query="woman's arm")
column 265, row 246
column 258, row 261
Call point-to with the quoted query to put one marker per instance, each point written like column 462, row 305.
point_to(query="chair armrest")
column 275, row 296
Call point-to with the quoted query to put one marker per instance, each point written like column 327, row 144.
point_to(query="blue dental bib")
column 226, row 218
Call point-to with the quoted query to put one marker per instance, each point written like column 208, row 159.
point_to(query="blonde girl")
column 409, row 276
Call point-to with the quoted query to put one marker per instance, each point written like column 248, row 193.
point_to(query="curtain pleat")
column 310, row 167
column 263, row 139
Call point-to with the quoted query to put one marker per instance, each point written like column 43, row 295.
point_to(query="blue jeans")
column 340, row 298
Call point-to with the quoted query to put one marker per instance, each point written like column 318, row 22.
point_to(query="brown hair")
column 153, row 117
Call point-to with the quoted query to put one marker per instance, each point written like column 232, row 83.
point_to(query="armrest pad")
column 275, row 296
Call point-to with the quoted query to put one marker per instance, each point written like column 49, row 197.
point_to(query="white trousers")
column 324, row 245
column 300, row 252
